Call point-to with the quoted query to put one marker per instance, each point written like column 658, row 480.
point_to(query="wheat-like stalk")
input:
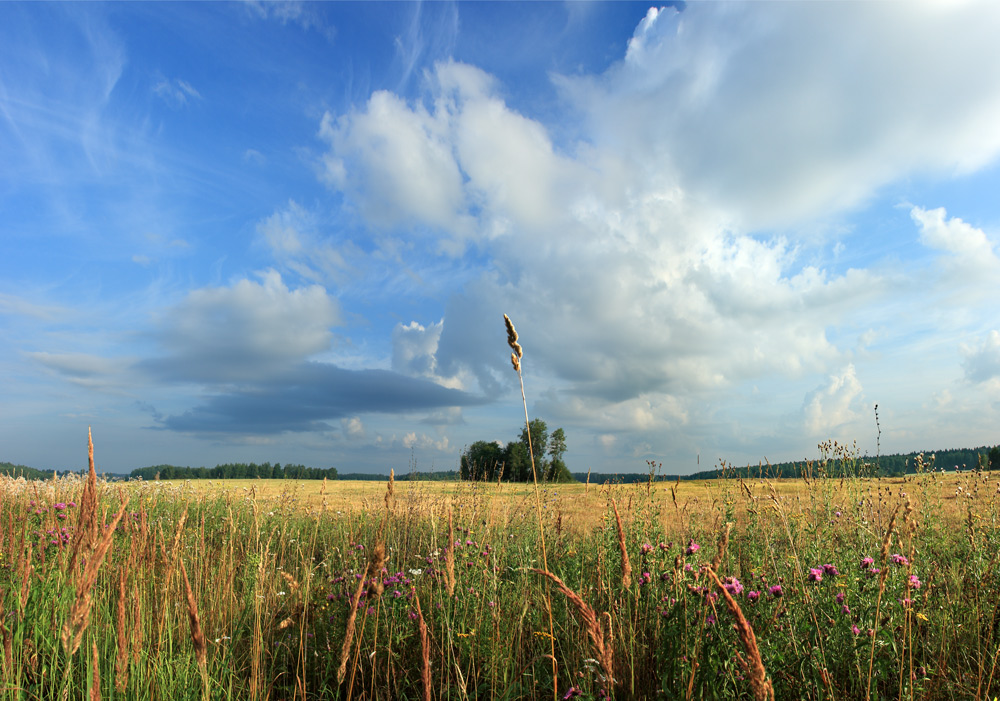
column 626, row 564
column 95, row 683
column 722, row 545
column 425, row 650
column 449, row 556
column 600, row 642
column 197, row 635
column 121, row 658
column 753, row 664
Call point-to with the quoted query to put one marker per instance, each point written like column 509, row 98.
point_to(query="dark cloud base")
column 313, row 394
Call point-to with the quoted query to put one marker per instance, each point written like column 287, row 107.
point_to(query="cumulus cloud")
column 396, row 162
column 969, row 252
column 771, row 113
column 353, row 427
column 830, row 407
column 666, row 256
column 246, row 331
column 982, row 360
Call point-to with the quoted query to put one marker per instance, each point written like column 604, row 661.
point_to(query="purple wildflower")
column 900, row 560
column 867, row 562
column 692, row 548
column 815, row 574
column 733, row 586
column 830, row 570
column 915, row 582
column 776, row 591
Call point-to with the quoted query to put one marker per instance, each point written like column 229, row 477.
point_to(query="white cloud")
column 831, row 407
column 396, row 162
column 969, row 252
column 176, row 92
column 295, row 238
column 353, row 428
column 249, row 330
column 780, row 112
column 86, row 370
column 12, row 304
column 982, row 360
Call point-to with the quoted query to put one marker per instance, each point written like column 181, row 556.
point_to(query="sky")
column 289, row 232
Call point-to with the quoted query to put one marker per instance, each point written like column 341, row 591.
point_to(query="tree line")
column 490, row 460
column 235, row 470
column 894, row 465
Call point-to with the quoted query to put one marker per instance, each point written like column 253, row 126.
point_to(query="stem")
column 541, row 533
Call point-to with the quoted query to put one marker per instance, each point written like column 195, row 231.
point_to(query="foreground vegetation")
column 831, row 588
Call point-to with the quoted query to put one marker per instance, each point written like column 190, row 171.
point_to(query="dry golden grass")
column 582, row 508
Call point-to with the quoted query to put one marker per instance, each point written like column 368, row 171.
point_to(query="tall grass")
column 848, row 589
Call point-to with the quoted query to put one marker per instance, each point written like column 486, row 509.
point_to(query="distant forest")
column 29, row 473
column 235, row 470
column 984, row 457
column 895, row 465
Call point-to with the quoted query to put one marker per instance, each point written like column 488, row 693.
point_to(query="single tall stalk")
column 515, row 359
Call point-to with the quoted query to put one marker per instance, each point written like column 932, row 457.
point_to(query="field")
column 850, row 588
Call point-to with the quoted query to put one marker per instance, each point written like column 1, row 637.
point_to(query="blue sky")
column 289, row 232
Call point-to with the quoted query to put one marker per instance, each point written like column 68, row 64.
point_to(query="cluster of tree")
column 489, row 460
column 240, row 470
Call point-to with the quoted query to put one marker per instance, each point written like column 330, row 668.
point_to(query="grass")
column 852, row 589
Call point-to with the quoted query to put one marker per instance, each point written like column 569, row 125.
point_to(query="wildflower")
column 837, row 514
column 753, row 596
column 867, row 562
column 646, row 548
column 646, row 578
column 60, row 506
column 906, row 603
column 572, row 693
column 815, row 574
column 855, row 629
column 915, row 582
column 710, row 620
column 874, row 572
column 900, row 560
column 840, row 597
column 830, row 570
column 845, row 610
column 776, row 591
column 732, row 585
column 692, row 548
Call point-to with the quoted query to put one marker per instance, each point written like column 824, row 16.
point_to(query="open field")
column 727, row 589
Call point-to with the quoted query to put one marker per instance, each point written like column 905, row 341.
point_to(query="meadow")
column 826, row 588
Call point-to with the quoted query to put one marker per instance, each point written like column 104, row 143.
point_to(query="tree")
column 539, row 440
column 483, row 459
column 517, row 463
column 558, row 472
column 557, row 444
